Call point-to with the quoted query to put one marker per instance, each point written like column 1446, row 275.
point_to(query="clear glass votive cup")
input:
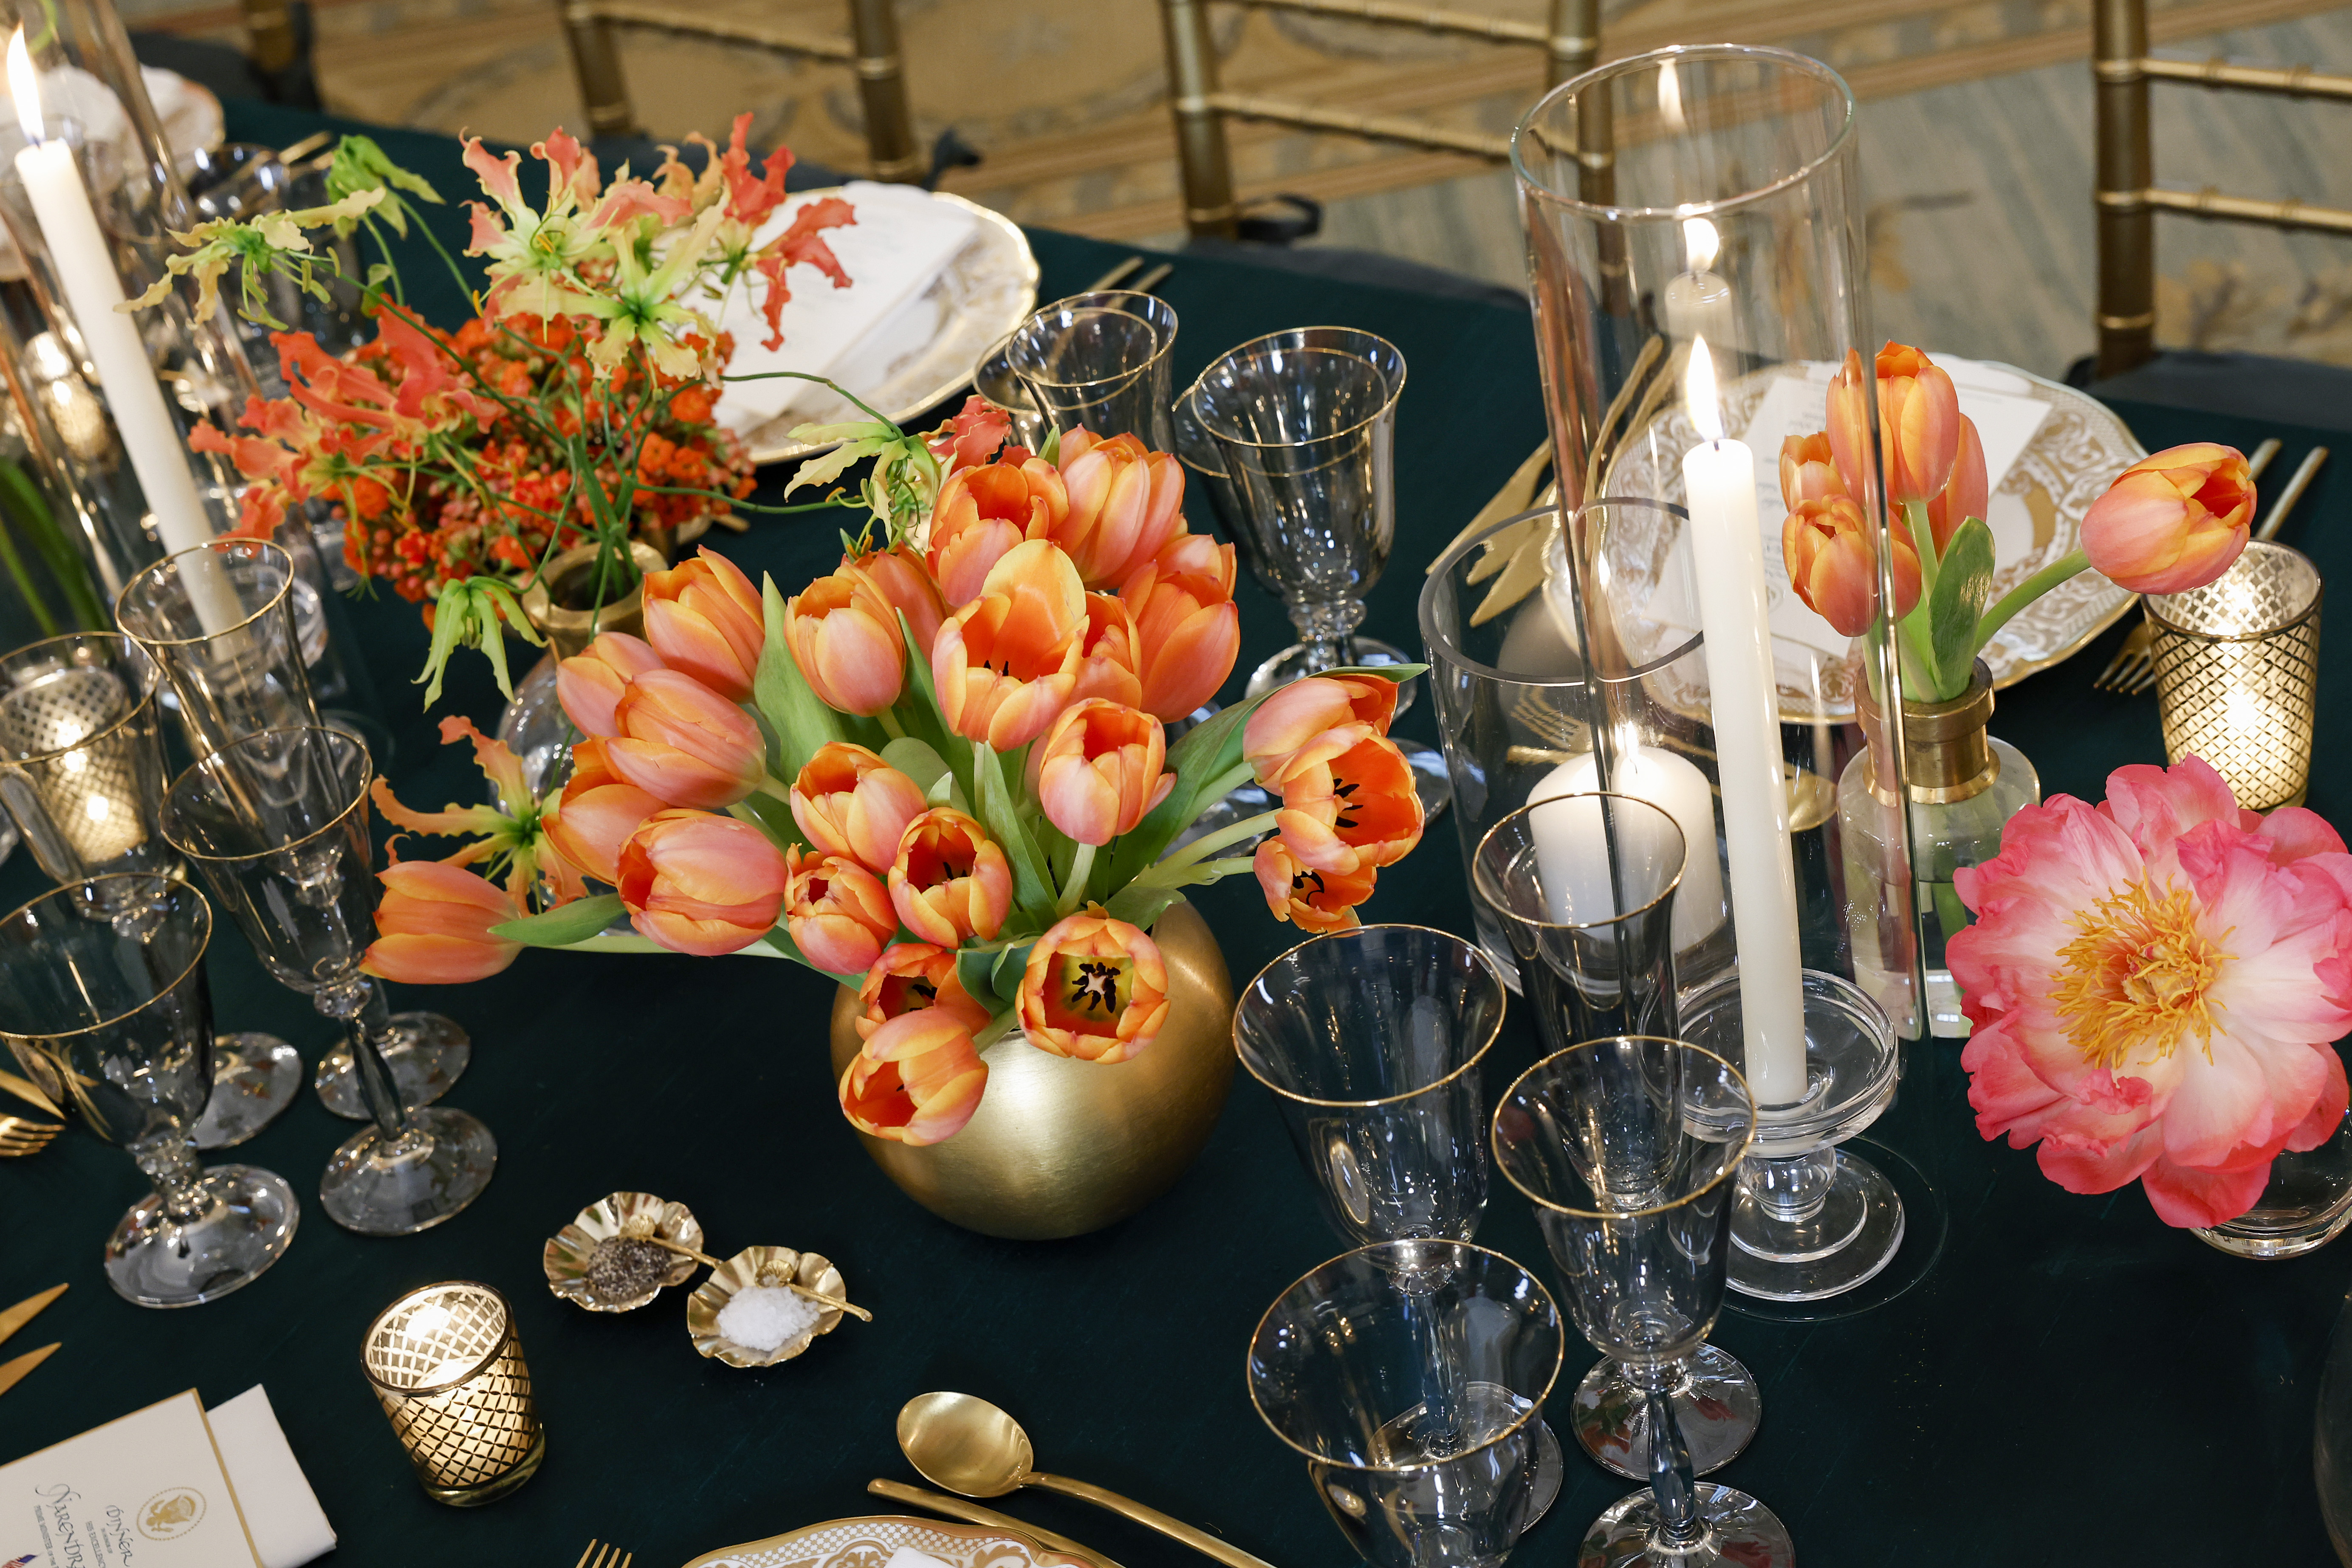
column 81, row 756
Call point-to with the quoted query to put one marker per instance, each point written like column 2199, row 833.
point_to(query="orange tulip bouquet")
column 2171, row 522
column 937, row 774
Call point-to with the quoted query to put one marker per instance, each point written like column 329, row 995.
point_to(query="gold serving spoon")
column 968, row 1446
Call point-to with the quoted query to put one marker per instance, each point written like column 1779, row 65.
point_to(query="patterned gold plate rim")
column 869, row 1540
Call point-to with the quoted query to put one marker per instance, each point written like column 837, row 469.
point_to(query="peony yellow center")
column 2139, row 978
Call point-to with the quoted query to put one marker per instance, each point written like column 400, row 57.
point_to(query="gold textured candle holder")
column 2237, row 673
column 448, row 1371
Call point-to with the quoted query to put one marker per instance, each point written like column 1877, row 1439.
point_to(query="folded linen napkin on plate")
column 281, row 1513
column 903, row 240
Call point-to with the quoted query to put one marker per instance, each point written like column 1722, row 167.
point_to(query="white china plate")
column 868, row 1544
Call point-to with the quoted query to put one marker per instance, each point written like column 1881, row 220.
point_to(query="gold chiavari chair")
column 871, row 50
column 2128, row 196
column 1570, row 42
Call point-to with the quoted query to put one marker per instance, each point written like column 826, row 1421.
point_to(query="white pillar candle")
column 1727, row 555
column 1697, row 303
column 84, row 267
column 1565, row 838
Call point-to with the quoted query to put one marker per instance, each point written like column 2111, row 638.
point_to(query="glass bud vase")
column 1964, row 786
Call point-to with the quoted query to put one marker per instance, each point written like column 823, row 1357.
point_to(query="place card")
column 147, row 1488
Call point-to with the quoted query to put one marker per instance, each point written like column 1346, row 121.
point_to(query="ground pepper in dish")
column 624, row 1267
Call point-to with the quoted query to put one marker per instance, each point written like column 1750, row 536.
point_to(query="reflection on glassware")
column 81, row 757
column 1343, row 1369
column 2305, row 1205
column 1101, row 360
column 993, row 379
column 446, row 1365
column 277, row 825
column 1629, row 1148
column 102, row 990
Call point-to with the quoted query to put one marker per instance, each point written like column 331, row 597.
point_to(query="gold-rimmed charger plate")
column 986, row 291
column 867, row 1542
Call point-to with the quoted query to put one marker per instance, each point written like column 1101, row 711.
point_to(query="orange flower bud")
column 985, row 511
column 597, row 813
column 1852, row 390
column 2172, row 521
column 950, row 881
column 910, row 976
column 1809, row 470
column 1826, row 545
column 433, row 924
column 700, row 884
column 1324, row 715
column 1966, row 496
column 1008, row 661
column 851, row 802
column 1309, row 900
column 838, row 912
column 589, row 684
column 685, row 744
column 1918, row 424
column 1100, row 769
column 915, row 1080
column 1190, row 628
column 844, row 635
column 1096, row 989
column 703, row 617
column 1357, row 809
column 905, row 584
column 1127, row 501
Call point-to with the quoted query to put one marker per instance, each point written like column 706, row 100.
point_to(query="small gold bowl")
column 621, row 1216
column 761, row 1265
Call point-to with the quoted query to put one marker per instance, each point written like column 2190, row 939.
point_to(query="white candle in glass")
column 1564, row 838
column 84, row 267
column 1697, row 303
column 1727, row 555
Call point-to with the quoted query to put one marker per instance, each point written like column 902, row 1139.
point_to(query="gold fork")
column 603, row 1557
column 19, row 1136
column 2136, row 656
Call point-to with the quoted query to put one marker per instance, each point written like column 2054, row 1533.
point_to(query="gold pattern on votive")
column 2237, row 673
column 448, row 1371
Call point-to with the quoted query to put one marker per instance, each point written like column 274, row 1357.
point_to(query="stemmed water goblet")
column 219, row 621
column 103, row 999
column 1103, row 360
column 1423, row 1460
column 1629, row 1147
column 1557, row 875
column 83, row 773
column 277, row 826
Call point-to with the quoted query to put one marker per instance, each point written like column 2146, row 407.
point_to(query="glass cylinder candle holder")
column 81, row 756
column 2237, row 673
column 446, row 1365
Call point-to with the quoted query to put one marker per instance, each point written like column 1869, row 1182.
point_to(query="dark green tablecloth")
column 2073, row 1383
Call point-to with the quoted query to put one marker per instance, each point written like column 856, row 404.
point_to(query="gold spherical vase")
column 1059, row 1147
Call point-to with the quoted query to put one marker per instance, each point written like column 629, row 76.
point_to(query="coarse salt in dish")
column 763, row 1317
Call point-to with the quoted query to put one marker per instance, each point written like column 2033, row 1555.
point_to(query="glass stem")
column 359, row 1003
column 172, row 1164
column 1442, row 1417
column 1672, row 1485
column 1323, row 632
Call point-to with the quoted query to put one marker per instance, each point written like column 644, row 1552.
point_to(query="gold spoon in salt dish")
column 968, row 1446
column 860, row 1313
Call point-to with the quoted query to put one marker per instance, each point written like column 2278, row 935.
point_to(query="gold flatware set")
column 13, row 1373
column 21, row 1135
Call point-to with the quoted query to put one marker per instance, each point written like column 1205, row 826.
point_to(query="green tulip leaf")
column 1963, row 584
column 563, row 925
column 1032, row 892
column 802, row 721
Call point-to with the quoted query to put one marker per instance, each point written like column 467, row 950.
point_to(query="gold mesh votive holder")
column 2237, row 673
column 448, row 1371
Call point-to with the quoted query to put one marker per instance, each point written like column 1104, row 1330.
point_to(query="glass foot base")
column 1431, row 781
column 1856, row 1232
column 157, row 1261
column 1927, row 1226
column 1718, row 1404
column 1552, row 1473
column 2306, row 1204
column 1290, row 664
column 255, row 1077
column 1740, row 1533
column 381, row 1188
column 426, row 1054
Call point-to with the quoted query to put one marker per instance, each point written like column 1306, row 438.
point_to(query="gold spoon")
column 968, row 1446
column 860, row 1313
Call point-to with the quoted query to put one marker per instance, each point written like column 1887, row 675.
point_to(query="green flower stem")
column 891, row 725
column 1074, row 888
column 995, row 1029
column 1923, row 539
column 1163, row 873
column 2025, row 593
column 770, row 785
column 14, row 563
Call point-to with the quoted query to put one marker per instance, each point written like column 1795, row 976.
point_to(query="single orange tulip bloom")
column 1852, row 390
column 701, row 884
column 1809, row 470
column 1310, row 899
column 950, row 881
column 908, row 977
column 1100, row 769
column 838, row 912
column 1323, row 714
column 703, row 617
column 1826, row 546
column 597, row 813
column 1127, row 502
column 905, row 584
column 1966, row 496
column 1352, row 811
column 1109, row 653
column 432, row 926
column 683, row 743
column 1190, row 628
column 2174, row 520
column 985, row 511
column 1918, row 424
column 1007, row 662
column 917, row 1080
column 1096, row 989
column 844, row 635
column 589, row 684
column 849, row 802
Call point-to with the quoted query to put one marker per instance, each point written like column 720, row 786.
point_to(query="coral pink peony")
column 2155, row 983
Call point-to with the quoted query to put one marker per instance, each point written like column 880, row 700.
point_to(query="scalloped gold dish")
column 617, row 1214
column 761, row 1265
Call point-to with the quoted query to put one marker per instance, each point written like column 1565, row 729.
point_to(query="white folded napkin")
column 281, row 1513
column 903, row 240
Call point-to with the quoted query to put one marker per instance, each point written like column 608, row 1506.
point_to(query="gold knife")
column 12, row 1373
column 17, row 1316
column 972, row 1513
column 30, row 1092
